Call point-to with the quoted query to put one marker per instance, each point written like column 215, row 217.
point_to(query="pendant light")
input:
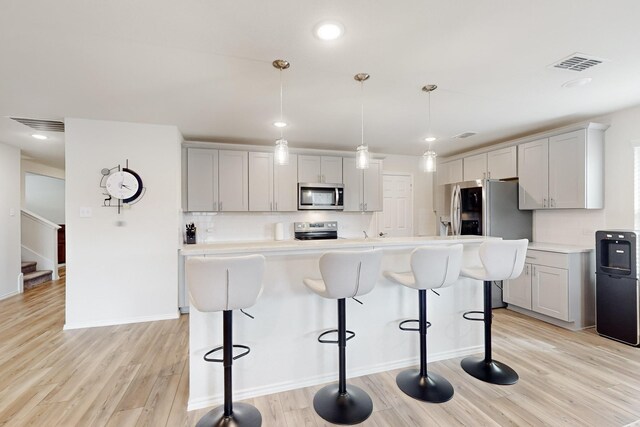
column 429, row 156
column 362, row 152
column 281, row 153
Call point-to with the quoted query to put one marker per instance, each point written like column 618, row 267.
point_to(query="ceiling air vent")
column 465, row 135
column 577, row 62
column 41, row 125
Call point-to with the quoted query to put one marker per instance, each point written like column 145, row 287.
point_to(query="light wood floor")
column 134, row 375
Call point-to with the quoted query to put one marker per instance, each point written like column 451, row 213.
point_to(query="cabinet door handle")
column 533, row 270
column 544, row 203
column 526, row 270
column 552, row 203
column 276, row 206
column 270, row 206
column 215, row 205
column 484, row 175
column 365, row 206
column 220, row 206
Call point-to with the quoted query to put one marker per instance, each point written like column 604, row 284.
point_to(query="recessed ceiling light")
column 430, row 138
column 280, row 124
column 38, row 136
column 329, row 30
column 577, row 82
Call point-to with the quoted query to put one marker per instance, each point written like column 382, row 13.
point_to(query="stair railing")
column 39, row 241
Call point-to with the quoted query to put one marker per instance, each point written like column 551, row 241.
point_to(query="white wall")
column 29, row 166
column 260, row 226
column 121, row 268
column 44, row 196
column 9, row 220
column 578, row 226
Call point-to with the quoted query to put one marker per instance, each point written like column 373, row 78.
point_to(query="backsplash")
column 230, row 226
column 568, row 226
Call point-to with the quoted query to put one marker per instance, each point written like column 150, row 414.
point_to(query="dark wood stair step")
column 36, row 278
column 28, row 267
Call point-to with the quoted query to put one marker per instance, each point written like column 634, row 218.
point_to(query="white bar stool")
column 345, row 274
column 432, row 267
column 501, row 260
column 226, row 284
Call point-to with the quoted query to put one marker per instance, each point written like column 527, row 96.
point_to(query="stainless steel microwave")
column 320, row 196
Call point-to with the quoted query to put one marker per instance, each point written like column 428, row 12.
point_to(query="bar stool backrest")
column 436, row 266
column 224, row 283
column 503, row 259
column 348, row 274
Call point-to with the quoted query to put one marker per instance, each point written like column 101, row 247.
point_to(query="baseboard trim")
column 114, row 322
column 9, row 295
column 249, row 393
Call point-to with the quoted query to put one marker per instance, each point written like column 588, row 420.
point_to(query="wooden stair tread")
column 28, row 266
column 36, row 274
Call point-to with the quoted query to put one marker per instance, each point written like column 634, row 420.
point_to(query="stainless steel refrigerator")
column 487, row 208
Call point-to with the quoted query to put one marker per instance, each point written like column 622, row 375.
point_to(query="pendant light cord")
column 281, row 118
column 429, row 116
column 362, row 112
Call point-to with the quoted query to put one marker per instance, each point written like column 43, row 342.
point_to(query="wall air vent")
column 41, row 125
column 465, row 135
column 577, row 62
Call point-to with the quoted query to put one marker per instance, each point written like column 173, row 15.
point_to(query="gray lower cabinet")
column 556, row 287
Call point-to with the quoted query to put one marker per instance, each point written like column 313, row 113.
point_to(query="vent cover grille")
column 465, row 134
column 41, row 125
column 577, row 62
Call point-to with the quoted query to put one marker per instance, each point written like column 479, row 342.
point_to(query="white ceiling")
column 205, row 66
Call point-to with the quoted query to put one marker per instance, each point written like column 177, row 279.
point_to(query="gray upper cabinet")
column 502, row 163
column 317, row 169
column 272, row 187
column 217, row 180
column 202, row 180
column 362, row 188
column 562, row 171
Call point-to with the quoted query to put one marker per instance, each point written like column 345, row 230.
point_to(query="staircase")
column 33, row 277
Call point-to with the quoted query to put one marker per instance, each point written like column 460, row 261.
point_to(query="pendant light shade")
column 362, row 152
column 362, row 157
column 429, row 161
column 281, row 153
column 429, row 157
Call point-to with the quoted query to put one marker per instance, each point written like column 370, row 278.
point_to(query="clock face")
column 125, row 185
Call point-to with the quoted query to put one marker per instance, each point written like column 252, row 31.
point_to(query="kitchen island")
column 285, row 353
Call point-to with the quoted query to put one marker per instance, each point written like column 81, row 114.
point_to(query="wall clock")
column 122, row 184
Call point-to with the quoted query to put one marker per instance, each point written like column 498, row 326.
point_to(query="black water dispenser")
column 617, row 293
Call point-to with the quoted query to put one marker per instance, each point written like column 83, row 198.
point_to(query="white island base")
column 285, row 353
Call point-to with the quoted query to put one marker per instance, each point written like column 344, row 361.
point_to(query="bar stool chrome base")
column 432, row 388
column 243, row 415
column 492, row 372
column 352, row 407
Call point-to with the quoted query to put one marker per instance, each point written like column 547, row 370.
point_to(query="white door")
column 309, row 169
column 261, row 182
column 550, row 291
column 352, row 185
column 331, row 169
column 567, row 170
column 372, row 186
column 397, row 216
column 285, row 178
column 502, row 163
column 533, row 174
column 518, row 291
column 202, row 180
column 233, row 180
column 475, row 167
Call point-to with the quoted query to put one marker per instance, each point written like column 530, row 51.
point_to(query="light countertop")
column 558, row 248
column 322, row 245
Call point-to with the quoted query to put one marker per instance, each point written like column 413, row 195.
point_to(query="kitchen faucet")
column 366, row 236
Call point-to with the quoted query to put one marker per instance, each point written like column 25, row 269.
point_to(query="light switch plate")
column 85, row 212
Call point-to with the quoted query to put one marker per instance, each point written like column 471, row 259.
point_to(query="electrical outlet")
column 85, row 212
